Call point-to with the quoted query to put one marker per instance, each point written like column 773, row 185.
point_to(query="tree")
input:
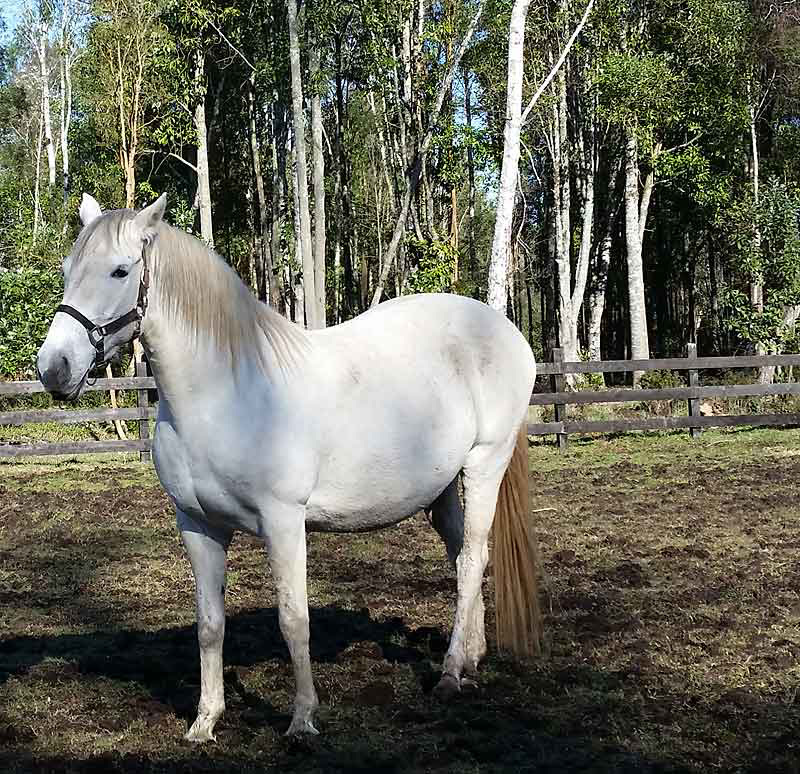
column 126, row 42
column 498, row 265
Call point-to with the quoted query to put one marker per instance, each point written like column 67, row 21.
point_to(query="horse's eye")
column 119, row 273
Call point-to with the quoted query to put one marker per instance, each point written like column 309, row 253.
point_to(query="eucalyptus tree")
column 125, row 50
column 414, row 170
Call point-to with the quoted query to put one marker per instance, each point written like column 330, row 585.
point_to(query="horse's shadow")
column 165, row 662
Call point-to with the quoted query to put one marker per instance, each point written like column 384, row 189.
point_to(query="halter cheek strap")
column 97, row 333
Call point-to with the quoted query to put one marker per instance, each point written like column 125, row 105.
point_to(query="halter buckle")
column 96, row 336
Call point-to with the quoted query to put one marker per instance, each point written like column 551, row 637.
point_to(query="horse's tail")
column 516, row 560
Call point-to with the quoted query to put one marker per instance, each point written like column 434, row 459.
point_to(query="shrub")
column 28, row 299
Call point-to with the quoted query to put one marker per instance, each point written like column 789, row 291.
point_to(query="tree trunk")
column 319, row 186
column 279, row 195
column 501, row 243
column 264, row 271
column 301, row 176
column 65, row 70
column 567, row 316
column 349, row 292
column 473, row 268
column 640, row 346
column 597, row 298
column 413, row 173
column 203, row 180
column 587, row 230
column 44, row 74
column 37, row 183
column 766, row 374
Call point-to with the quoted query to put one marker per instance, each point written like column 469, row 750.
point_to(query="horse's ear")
column 146, row 221
column 90, row 209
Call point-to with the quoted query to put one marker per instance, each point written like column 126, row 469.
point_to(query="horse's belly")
column 319, row 519
column 374, row 502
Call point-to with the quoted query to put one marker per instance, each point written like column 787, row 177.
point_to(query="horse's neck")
column 225, row 357
column 183, row 375
column 194, row 375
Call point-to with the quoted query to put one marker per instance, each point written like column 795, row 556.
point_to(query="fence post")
column 694, row 381
column 142, row 402
column 558, row 383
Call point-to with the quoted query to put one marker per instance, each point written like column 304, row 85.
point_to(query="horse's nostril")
column 55, row 374
column 65, row 371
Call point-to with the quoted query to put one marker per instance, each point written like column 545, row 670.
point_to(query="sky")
column 11, row 10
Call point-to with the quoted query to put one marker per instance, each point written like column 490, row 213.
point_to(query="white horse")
column 274, row 430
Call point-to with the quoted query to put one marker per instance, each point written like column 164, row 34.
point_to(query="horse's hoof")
column 199, row 734
column 302, row 726
column 447, row 688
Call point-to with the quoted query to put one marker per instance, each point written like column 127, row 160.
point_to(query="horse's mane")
column 200, row 293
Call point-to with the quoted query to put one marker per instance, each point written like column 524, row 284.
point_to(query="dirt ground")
column 673, row 627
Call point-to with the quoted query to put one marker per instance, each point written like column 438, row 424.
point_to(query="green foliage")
column 661, row 380
column 435, row 261
column 766, row 244
column 28, row 298
column 639, row 91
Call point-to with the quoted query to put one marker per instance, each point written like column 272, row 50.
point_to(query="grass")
column 673, row 626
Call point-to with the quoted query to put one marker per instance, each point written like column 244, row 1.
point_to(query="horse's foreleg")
column 207, row 550
column 286, row 544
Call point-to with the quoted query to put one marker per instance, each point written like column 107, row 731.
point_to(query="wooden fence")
column 559, row 397
column 142, row 414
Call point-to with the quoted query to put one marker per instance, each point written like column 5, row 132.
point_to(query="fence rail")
column 559, row 397
column 666, row 364
column 142, row 413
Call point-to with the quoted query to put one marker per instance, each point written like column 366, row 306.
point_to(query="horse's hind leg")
column 286, row 546
column 483, row 473
column 207, row 551
column 447, row 517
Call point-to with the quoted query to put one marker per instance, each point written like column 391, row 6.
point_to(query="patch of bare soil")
column 673, row 639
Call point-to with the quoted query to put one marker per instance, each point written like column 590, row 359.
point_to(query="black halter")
column 97, row 333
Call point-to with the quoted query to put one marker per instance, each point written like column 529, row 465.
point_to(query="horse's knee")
column 211, row 629
column 294, row 623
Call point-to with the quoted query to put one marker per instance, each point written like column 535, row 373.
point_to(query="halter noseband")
column 97, row 333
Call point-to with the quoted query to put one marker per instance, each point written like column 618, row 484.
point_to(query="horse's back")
column 443, row 343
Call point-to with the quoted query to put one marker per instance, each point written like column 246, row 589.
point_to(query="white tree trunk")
column 567, row 315
column 640, row 345
column 501, row 242
column 319, row 187
column 766, row 374
column 414, row 169
column 587, row 230
column 37, row 185
column 756, row 287
column 597, row 299
column 65, row 71
column 201, row 131
column 44, row 74
column 264, row 273
column 301, row 177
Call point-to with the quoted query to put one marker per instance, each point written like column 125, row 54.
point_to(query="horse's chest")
column 195, row 488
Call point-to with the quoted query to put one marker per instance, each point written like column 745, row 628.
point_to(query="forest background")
column 336, row 153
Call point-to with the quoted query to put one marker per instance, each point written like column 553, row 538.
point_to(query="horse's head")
column 104, row 295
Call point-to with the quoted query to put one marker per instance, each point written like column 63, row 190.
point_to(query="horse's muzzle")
column 55, row 376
